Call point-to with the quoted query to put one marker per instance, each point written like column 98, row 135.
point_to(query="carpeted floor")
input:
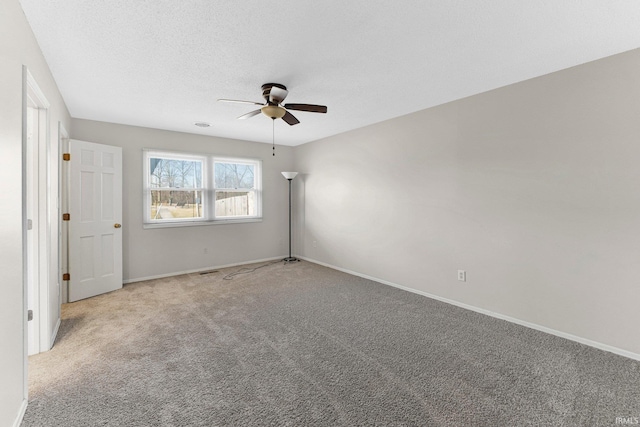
column 304, row 345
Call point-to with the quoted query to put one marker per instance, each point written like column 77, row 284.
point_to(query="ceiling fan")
column 274, row 94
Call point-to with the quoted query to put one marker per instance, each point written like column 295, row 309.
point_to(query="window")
column 175, row 187
column 187, row 188
column 234, row 183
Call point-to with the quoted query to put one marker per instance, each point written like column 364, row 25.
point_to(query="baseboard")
column 21, row 411
column 198, row 270
column 581, row 340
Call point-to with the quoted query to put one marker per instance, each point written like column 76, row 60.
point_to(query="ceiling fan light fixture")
column 273, row 111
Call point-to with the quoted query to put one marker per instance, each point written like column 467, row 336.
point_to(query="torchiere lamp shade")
column 289, row 175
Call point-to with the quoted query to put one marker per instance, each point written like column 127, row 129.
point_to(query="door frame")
column 64, row 208
column 62, row 257
column 47, row 199
column 34, row 97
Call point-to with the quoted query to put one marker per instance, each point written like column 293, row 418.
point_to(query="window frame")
column 208, row 189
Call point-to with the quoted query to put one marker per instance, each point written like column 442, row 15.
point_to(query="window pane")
column 234, row 175
column 175, row 173
column 176, row 204
column 235, row 203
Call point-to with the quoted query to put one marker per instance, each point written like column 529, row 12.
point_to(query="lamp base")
column 290, row 259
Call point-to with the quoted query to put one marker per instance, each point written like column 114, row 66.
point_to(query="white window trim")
column 208, row 190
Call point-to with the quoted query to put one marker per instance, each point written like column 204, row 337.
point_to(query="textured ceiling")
column 164, row 63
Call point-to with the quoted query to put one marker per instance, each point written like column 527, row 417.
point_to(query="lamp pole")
column 289, row 177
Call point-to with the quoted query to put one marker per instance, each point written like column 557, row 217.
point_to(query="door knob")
column 116, row 225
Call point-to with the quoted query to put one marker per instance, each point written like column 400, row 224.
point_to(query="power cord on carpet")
column 246, row 270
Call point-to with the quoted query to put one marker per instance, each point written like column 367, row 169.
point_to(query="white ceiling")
column 164, row 63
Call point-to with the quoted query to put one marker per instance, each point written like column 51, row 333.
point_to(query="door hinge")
column 29, row 315
column 66, row 156
column 66, row 277
column 66, row 217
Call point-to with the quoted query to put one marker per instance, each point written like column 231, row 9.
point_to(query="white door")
column 95, row 208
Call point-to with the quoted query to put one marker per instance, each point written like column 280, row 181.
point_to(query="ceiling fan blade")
column 290, row 118
column 251, row 114
column 307, row 107
column 277, row 95
column 237, row 101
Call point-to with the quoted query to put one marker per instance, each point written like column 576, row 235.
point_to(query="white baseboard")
column 198, row 270
column 585, row 341
column 21, row 411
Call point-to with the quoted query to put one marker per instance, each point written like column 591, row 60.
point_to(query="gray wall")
column 155, row 252
column 533, row 189
column 18, row 47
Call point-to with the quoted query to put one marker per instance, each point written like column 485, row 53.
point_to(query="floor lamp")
column 289, row 177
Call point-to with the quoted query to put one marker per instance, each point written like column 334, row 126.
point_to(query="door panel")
column 95, row 238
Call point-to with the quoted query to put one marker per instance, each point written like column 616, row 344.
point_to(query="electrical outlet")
column 462, row 275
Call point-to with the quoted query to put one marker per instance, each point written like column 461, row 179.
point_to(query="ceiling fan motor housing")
column 274, row 97
column 266, row 90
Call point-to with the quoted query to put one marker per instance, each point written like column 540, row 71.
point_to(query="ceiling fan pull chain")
column 273, row 135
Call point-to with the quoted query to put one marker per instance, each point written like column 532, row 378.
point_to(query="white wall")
column 155, row 252
column 18, row 47
column 533, row 189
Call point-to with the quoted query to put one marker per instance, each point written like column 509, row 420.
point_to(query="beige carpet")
column 304, row 345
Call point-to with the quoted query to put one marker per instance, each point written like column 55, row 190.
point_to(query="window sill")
column 198, row 223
